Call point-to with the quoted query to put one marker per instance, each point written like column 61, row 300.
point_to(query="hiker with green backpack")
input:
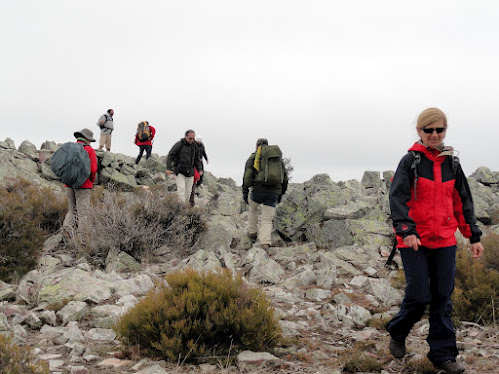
column 267, row 177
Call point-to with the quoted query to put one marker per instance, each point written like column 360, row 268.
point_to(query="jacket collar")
column 432, row 153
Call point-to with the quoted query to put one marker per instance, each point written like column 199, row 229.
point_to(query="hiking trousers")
column 147, row 148
column 76, row 219
column 184, row 187
column 105, row 140
column 429, row 275
column 268, row 200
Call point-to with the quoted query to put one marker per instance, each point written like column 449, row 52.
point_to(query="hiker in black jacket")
column 181, row 160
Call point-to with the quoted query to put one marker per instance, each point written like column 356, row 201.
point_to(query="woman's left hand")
column 477, row 249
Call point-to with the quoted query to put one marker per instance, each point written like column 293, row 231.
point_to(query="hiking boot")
column 265, row 246
column 252, row 237
column 450, row 367
column 397, row 349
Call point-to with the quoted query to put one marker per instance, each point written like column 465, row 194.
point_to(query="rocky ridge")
column 324, row 273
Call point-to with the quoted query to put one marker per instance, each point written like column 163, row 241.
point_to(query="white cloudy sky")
column 337, row 84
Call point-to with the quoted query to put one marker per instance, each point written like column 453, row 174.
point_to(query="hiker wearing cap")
column 181, row 161
column 267, row 177
column 79, row 198
column 430, row 199
column 106, row 125
column 143, row 139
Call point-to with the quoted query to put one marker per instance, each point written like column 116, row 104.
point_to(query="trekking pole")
column 388, row 264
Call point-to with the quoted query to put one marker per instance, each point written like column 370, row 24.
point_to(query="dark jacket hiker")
column 181, row 160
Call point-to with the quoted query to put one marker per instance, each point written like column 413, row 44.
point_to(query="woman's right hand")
column 412, row 241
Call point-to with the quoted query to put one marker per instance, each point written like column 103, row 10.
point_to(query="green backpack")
column 271, row 171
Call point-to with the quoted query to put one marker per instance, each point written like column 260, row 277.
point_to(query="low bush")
column 362, row 357
column 199, row 315
column 476, row 293
column 140, row 223
column 420, row 366
column 490, row 244
column 28, row 215
column 378, row 323
column 19, row 360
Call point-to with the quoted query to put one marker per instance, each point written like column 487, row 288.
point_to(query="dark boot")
column 451, row 367
column 397, row 349
column 253, row 237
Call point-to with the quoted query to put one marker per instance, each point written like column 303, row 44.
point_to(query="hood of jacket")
column 431, row 153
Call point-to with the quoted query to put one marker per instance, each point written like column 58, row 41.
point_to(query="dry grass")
column 138, row 224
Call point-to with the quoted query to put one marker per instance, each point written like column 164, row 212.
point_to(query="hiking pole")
column 388, row 264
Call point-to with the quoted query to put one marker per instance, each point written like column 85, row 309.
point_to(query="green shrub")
column 201, row 314
column 28, row 214
column 476, row 287
column 19, row 360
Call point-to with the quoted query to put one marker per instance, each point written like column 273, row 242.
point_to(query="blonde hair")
column 430, row 115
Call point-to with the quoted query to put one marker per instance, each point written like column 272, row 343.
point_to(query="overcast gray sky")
column 337, row 84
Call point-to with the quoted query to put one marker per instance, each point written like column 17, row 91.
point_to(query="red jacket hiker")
column 440, row 203
column 89, row 183
column 148, row 142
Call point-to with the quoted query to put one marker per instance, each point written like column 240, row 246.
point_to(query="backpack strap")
column 455, row 165
column 414, row 168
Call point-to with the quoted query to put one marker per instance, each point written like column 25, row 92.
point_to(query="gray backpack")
column 71, row 164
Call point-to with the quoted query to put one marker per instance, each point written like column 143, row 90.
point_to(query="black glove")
column 279, row 199
column 245, row 197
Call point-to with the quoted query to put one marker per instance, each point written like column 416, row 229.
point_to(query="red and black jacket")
column 149, row 141
column 442, row 202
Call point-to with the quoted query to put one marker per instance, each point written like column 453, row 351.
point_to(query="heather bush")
column 141, row 222
column 490, row 244
column 420, row 366
column 362, row 357
column 19, row 360
column 199, row 315
column 28, row 215
column 476, row 293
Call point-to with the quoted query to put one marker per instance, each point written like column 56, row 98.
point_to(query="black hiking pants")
column 429, row 274
column 142, row 148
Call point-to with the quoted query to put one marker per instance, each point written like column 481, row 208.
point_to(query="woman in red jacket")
column 429, row 200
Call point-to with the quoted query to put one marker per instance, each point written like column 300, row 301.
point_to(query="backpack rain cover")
column 71, row 164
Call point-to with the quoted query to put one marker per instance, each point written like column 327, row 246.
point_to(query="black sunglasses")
column 439, row 130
